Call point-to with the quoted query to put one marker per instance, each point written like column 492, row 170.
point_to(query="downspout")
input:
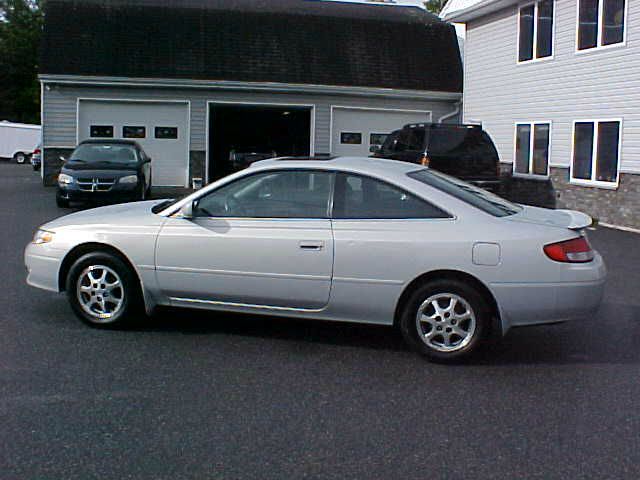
column 449, row 115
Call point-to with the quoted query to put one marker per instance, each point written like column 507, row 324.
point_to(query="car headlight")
column 64, row 179
column 129, row 179
column 43, row 236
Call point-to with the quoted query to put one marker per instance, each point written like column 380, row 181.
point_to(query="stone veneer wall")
column 51, row 164
column 619, row 207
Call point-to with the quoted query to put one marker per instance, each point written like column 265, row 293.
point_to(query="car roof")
column 363, row 165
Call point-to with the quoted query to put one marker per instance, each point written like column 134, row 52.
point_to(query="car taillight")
column 36, row 151
column 577, row 250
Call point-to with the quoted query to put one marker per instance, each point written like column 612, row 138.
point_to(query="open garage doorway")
column 254, row 131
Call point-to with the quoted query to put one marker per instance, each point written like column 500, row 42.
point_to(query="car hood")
column 124, row 214
column 571, row 219
column 72, row 167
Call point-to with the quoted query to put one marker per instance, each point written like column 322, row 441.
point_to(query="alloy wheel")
column 446, row 322
column 100, row 292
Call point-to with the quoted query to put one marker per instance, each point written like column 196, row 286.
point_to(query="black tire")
column 20, row 158
column 142, row 195
column 62, row 202
column 36, row 168
column 131, row 307
column 416, row 334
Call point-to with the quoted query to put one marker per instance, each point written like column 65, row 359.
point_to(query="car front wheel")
column 444, row 320
column 103, row 291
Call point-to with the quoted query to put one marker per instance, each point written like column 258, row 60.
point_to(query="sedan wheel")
column 103, row 291
column 446, row 322
column 444, row 319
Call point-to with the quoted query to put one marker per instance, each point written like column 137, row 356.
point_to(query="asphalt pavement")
column 191, row 395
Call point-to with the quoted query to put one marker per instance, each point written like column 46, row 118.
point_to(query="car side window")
column 276, row 194
column 359, row 197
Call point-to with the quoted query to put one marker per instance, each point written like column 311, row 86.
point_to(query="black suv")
column 104, row 171
column 463, row 151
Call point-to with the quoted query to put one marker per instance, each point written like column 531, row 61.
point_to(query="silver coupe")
column 346, row 239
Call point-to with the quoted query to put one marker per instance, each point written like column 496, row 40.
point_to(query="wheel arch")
column 82, row 249
column 496, row 323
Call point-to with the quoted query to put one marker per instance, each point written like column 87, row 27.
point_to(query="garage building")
column 195, row 80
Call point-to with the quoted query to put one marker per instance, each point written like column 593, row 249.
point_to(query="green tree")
column 435, row 6
column 20, row 32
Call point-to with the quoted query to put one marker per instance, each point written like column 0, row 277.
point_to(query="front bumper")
column 577, row 296
column 117, row 193
column 43, row 264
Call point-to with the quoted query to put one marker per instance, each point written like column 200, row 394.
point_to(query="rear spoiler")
column 577, row 220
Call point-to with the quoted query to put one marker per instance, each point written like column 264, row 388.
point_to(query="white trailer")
column 18, row 140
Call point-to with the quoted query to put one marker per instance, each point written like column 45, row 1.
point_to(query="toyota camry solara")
column 346, row 239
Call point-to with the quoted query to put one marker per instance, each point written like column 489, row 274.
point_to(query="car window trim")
column 402, row 189
column 328, row 210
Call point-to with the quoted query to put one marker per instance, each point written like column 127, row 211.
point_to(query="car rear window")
column 477, row 197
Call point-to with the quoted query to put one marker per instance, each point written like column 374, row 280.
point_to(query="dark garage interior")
column 284, row 130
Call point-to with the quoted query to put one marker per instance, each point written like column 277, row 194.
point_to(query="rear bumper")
column 578, row 297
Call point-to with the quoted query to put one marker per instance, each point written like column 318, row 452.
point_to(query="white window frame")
column 530, row 173
column 535, row 58
column 594, row 155
column 599, row 46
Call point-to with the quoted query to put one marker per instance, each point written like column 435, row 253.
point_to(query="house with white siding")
column 556, row 83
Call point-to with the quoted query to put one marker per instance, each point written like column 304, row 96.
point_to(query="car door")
column 263, row 240
column 381, row 233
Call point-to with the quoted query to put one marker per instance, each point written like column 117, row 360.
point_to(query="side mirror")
column 62, row 159
column 186, row 211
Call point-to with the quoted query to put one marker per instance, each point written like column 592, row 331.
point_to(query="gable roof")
column 464, row 10
column 283, row 41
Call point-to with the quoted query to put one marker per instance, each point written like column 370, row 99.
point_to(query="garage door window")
column 358, row 197
column 134, row 132
column 377, row 138
column 283, row 194
column 166, row 133
column 351, row 138
column 101, row 131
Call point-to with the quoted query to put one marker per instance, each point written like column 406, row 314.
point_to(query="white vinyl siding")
column 596, row 152
column 535, row 30
column 532, row 146
column 499, row 92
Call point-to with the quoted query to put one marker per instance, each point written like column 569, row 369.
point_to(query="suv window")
column 407, row 139
column 358, row 197
column 279, row 194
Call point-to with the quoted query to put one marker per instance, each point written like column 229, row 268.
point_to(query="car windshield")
column 477, row 197
column 104, row 153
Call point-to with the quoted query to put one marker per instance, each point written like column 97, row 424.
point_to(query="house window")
column 101, row 131
column 134, row 132
column 532, row 149
column 535, row 31
column 600, row 23
column 596, row 152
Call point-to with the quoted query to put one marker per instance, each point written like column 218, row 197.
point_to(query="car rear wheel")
column 103, row 291
column 444, row 320
column 20, row 157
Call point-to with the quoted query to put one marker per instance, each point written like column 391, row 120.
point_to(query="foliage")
column 435, row 6
column 20, row 32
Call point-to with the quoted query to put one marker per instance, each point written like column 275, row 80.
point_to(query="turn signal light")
column 577, row 250
column 425, row 160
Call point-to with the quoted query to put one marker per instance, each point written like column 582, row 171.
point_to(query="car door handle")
column 311, row 245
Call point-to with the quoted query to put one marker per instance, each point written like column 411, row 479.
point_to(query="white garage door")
column 161, row 128
column 354, row 130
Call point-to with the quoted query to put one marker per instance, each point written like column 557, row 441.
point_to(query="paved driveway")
column 196, row 395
